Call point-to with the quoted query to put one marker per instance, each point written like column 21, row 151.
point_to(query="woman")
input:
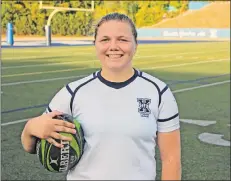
column 122, row 111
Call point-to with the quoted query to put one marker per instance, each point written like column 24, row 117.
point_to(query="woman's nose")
column 113, row 45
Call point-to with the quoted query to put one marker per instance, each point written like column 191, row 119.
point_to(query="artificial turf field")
column 197, row 73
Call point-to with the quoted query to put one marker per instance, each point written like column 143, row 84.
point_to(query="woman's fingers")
column 63, row 123
column 64, row 129
column 55, row 135
column 53, row 142
column 60, row 137
column 54, row 113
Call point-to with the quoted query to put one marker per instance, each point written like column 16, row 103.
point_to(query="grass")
column 179, row 65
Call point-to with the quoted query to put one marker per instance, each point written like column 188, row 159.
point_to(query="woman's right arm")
column 45, row 127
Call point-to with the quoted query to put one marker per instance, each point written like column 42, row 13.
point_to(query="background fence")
column 183, row 33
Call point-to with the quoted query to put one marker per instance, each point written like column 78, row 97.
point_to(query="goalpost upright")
column 58, row 9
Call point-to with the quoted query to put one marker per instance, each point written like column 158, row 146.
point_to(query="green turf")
column 169, row 62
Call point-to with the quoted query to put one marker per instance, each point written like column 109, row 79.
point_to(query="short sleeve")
column 168, row 118
column 61, row 101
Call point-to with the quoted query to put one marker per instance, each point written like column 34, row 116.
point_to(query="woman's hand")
column 45, row 127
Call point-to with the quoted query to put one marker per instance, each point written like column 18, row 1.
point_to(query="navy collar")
column 117, row 85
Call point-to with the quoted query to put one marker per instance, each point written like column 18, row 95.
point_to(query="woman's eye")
column 104, row 40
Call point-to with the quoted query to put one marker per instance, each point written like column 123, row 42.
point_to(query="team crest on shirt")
column 144, row 109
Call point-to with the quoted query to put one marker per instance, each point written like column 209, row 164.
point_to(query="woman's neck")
column 117, row 75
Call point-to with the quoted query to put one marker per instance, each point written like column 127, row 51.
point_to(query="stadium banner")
column 183, row 33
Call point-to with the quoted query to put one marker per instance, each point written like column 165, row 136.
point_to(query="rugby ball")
column 56, row 159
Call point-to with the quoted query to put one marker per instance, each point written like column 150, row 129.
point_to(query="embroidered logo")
column 144, row 109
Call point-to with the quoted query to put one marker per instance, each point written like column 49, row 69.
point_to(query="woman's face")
column 115, row 45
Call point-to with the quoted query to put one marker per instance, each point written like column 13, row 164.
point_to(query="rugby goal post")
column 55, row 10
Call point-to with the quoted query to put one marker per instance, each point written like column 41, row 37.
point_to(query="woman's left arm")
column 170, row 152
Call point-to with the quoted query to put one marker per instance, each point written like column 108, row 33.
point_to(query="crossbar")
column 67, row 9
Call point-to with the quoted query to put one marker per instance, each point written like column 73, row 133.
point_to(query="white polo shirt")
column 120, row 121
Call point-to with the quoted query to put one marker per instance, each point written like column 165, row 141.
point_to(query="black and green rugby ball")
column 56, row 159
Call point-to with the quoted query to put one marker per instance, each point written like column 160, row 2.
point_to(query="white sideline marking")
column 198, row 122
column 151, row 68
column 47, row 64
column 215, row 139
column 211, row 138
column 176, row 91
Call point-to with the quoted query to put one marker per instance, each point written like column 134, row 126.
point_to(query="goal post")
column 42, row 6
column 55, row 10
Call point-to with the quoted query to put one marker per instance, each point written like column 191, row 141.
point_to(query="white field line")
column 42, row 80
column 34, row 50
column 62, row 50
column 18, row 57
column 184, row 64
column 14, row 122
column 76, row 62
column 79, row 68
column 143, row 48
column 151, row 68
column 52, row 49
column 84, row 68
column 176, row 91
column 47, row 64
column 195, row 57
column 87, row 48
column 201, row 86
column 62, row 63
column 167, row 60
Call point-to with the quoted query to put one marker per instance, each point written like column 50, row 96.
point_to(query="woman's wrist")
column 28, row 128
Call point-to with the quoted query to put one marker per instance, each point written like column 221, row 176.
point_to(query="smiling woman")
column 124, row 113
column 116, row 44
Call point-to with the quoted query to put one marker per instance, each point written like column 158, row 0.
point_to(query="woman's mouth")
column 114, row 55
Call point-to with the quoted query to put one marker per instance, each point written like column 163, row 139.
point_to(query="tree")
column 28, row 19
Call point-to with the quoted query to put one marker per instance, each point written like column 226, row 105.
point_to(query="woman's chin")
column 117, row 67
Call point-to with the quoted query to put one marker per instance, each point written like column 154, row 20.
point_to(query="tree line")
column 28, row 19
